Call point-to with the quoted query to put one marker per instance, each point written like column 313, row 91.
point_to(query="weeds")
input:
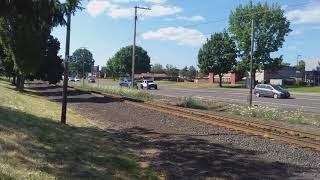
column 190, row 102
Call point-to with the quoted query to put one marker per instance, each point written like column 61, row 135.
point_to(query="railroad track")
column 290, row 136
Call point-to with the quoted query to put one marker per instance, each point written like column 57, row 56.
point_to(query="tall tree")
column 192, row 72
column 24, row 30
column 83, row 62
column 218, row 55
column 157, row 68
column 271, row 27
column 301, row 66
column 172, row 71
column 121, row 62
column 184, row 72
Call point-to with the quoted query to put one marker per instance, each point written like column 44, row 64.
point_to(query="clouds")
column 192, row 18
column 307, row 15
column 113, row 8
column 181, row 35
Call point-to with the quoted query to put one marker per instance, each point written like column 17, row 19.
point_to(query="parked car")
column 91, row 80
column 127, row 83
column 76, row 79
column 148, row 84
column 71, row 79
column 268, row 90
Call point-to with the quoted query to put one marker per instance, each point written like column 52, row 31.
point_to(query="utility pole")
column 298, row 60
column 134, row 41
column 65, row 73
column 251, row 61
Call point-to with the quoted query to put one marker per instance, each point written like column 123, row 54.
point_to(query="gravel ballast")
column 185, row 149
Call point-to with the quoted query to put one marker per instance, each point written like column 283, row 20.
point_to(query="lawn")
column 35, row 145
column 203, row 85
column 314, row 89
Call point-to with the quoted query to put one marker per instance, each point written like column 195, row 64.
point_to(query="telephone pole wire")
column 251, row 61
column 134, row 41
column 65, row 73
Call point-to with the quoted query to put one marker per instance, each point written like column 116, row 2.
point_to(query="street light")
column 298, row 59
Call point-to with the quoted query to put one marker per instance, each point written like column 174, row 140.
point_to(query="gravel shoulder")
column 185, row 149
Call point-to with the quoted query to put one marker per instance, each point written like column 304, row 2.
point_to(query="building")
column 154, row 76
column 229, row 78
column 289, row 72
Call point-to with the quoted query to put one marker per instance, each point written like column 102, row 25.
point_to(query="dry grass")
column 35, row 145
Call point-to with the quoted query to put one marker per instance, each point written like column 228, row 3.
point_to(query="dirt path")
column 184, row 149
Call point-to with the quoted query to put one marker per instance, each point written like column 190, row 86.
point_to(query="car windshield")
column 279, row 88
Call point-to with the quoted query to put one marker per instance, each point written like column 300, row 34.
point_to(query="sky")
column 173, row 31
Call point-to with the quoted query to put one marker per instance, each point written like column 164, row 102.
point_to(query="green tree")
column 157, row 68
column 51, row 68
column 301, row 66
column 218, row 55
column 83, row 61
column 121, row 63
column 192, row 72
column 172, row 71
column 271, row 27
column 104, row 71
column 184, row 72
column 24, row 30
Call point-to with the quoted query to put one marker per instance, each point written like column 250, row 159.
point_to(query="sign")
column 71, row 59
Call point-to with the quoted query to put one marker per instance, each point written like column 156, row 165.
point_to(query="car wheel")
column 141, row 86
column 156, row 87
column 257, row 94
column 275, row 96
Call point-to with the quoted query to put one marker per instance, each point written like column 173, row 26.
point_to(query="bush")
column 192, row 103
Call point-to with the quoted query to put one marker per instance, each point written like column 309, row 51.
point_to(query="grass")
column 118, row 91
column 314, row 89
column 35, row 145
column 203, row 85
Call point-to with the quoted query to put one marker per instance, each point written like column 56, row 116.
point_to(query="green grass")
column 118, row 91
column 35, row 145
column 203, row 85
column 314, row 89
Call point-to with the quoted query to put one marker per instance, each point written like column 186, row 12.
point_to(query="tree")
column 271, row 27
column 318, row 67
column 24, row 30
column 51, row 68
column 172, row 71
column 184, row 72
column 192, row 72
column 301, row 66
column 157, row 68
column 218, row 55
column 83, row 59
column 104, row 71
column 121, row 63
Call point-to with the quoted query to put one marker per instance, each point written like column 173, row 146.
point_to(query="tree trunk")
column 20, row 82
column 220, row 80
column 14, row 78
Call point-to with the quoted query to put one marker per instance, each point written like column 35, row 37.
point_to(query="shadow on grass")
column 187, row 157
column 63, row 151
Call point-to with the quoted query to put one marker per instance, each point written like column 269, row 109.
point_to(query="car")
column 76, row 79
column 267, row 90
column 91, row 80
column 127, row 83
column 148, row 84
column 71, row 79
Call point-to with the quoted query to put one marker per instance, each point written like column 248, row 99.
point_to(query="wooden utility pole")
column 65, row 73
column 134, row 41
column 251, row 62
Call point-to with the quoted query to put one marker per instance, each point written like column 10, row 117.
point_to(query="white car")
column 148, row 84
column 76, row 79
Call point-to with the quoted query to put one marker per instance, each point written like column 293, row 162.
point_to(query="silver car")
column 274, row 91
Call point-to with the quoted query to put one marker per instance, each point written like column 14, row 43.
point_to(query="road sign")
column 71, row 59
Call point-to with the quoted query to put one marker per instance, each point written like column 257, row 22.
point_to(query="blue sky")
column 174, row 30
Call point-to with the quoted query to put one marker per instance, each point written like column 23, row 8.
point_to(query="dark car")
column 127, row 83
column 268, row 90
column 91, row 80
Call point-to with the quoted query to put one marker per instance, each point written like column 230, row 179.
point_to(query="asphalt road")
column 306, row 102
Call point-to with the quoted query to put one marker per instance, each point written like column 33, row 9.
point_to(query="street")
column 306, row 102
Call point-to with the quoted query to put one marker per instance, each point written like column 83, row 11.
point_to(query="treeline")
column 27, row 48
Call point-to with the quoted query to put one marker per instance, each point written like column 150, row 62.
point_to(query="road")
column 306, row 102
